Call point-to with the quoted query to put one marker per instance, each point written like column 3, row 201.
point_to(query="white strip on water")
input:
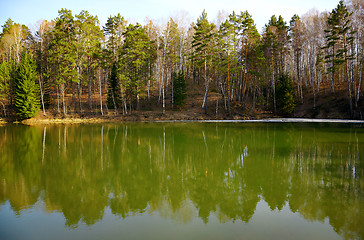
column 275, row 120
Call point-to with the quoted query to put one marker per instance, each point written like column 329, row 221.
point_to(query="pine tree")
column 6, row 27
column 249, row 38
column 88, row 47
column 339, row 37
column 285, row 95
column 26, row 90
column 203, row 44
column 275, row 40
column 113, row 94
column 63, row 52
column 179, row 89
column 136, row 56
column 297, row 29
column 114, row 28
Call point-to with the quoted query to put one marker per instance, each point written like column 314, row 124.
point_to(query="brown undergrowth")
column 328, row 106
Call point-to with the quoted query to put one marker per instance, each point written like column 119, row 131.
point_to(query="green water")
column 182, row 181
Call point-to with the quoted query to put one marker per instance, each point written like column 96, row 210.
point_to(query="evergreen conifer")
column 179, row 89
column 285, row 96
column 26, row 90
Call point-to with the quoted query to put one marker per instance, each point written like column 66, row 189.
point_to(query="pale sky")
column 30, row 12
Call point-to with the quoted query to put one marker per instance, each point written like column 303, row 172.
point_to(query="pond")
column 182, row 181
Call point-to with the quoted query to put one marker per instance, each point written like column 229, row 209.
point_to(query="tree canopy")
column 124, row 66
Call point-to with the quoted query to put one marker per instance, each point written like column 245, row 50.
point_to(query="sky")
column 30, row 12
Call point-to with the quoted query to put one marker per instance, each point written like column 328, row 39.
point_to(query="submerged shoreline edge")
column 110, row 120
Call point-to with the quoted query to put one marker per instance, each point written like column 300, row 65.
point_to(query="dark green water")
column 182, row 181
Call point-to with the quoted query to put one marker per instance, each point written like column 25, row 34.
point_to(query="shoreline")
column 98, row 120
column 275, row 120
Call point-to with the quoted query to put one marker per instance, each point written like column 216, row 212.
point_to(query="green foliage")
column 43, row 38
column 6, row 27
column 228, row 41
column 338, row 37
column 6, row 69
column 179, row 89
column 203, row 42
column 137, row 54
column 63, row 49
column 233, row 60
column 285, row 95
column 26, row 90
column 113, row 94
column 275, row 40
column 114, row 28
column 239, row 41
column 89, row 37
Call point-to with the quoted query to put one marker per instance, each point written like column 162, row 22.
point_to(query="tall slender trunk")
column 218, row 94
column 299, row 83
column 41, row 93
column 361, row 73
column 100, row 87
column 124, row 102
column 348, row 79
column 162, row 81
column 58, row 99
column 274, row 88
column 333, row 70
column 148, row 89
column 159, row 77
column 313, row 85
column 40, row 79
column 163, row 96
column 244, row 76
column 104, row 77
column 172, row 85
column 63, row 90
column 166, row 80
column 205, row 97
column 79, row 93
column 228, row 87
column 89, row 87
column 312, row 74
column 73, row 97
column 204, row 104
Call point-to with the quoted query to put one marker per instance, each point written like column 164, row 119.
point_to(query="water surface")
column 182, row 181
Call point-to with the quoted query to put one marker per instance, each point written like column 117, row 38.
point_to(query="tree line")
column 126, row 64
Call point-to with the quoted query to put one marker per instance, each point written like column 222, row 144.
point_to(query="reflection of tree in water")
column 221, row 169
column 20, row 165
column 331, row 179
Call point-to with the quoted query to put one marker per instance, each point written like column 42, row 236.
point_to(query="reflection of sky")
column 265, row 224
column 29, row 12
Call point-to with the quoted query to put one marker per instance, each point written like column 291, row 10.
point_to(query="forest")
column 74, row 66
